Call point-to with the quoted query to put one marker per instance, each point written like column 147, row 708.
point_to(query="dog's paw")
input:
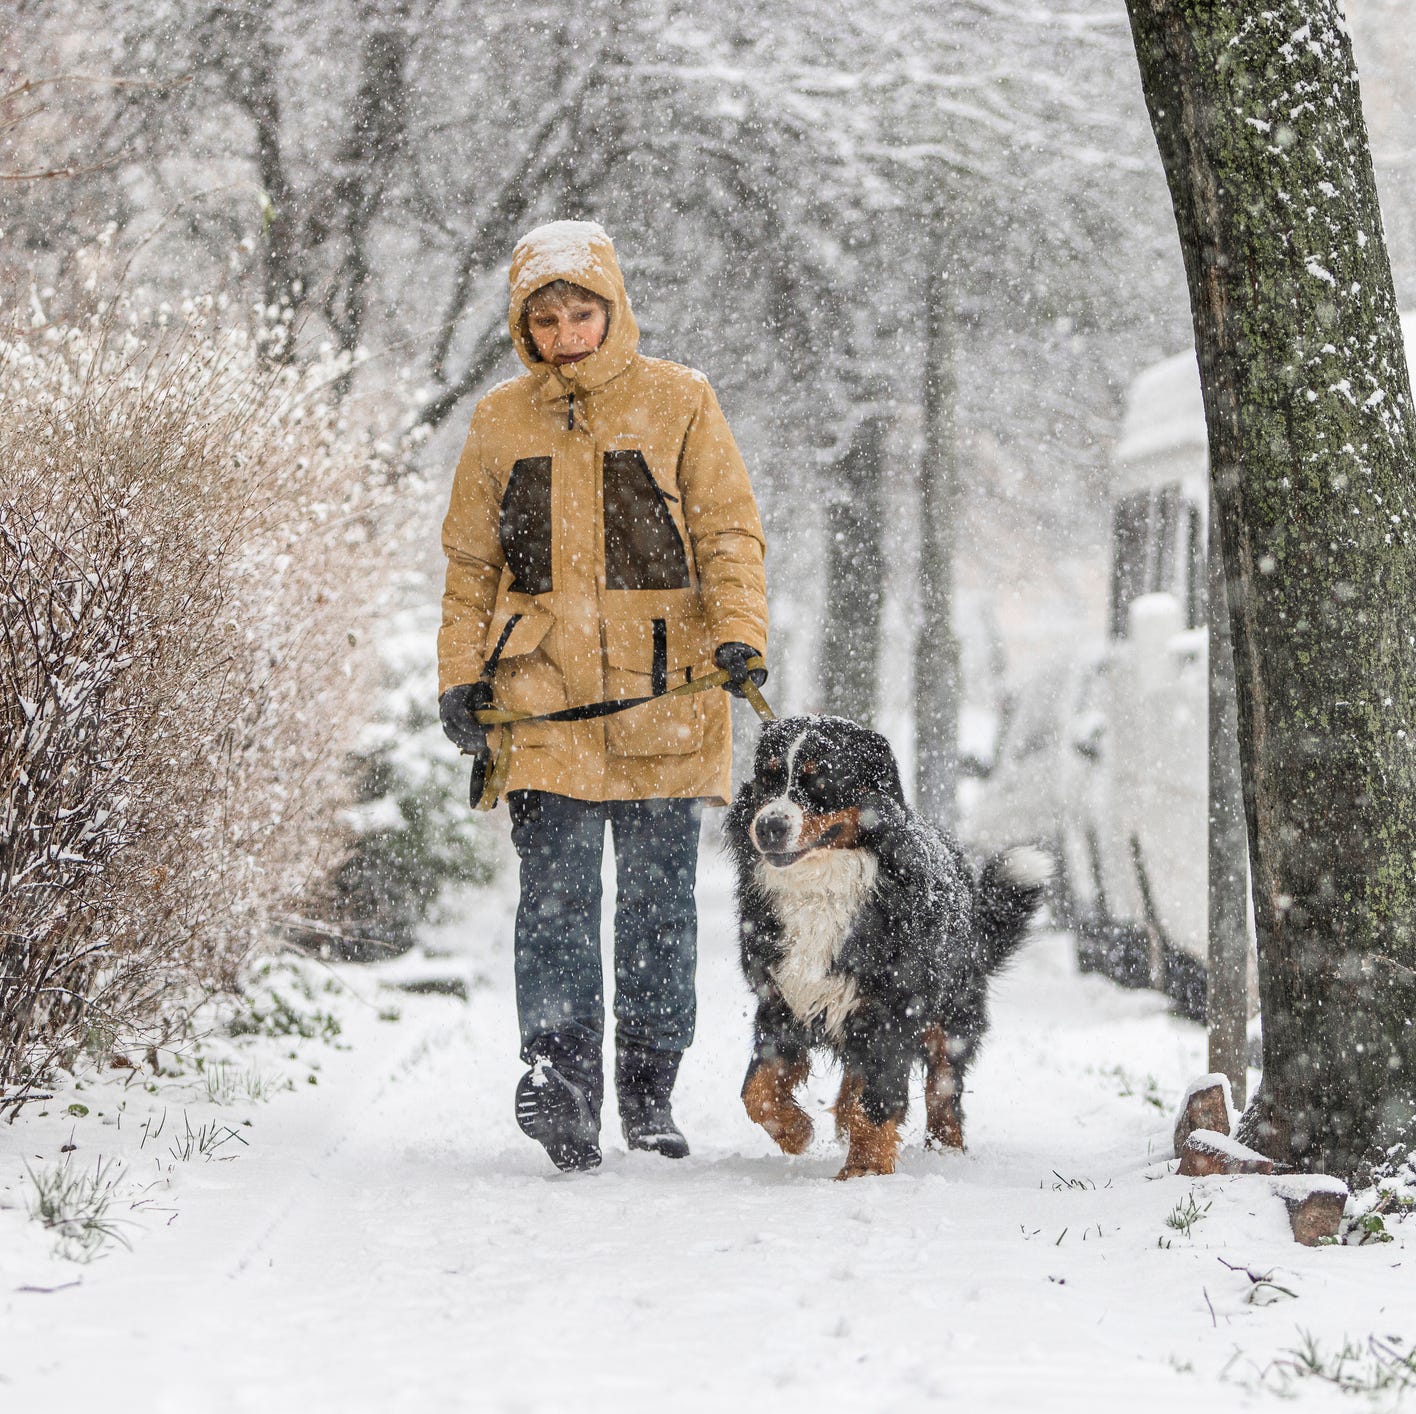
column 767, row 1097
column 873, row 1146
column 945, row 1142
column 864, row 1170
column 789, row 1125
column 792, row 1132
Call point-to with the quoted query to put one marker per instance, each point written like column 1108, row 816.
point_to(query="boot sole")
column 557, row 1116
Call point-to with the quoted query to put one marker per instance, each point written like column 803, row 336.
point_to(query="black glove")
column 455, row 708
column 734, row 657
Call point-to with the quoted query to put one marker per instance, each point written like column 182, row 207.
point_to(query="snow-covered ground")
column 386, row 1239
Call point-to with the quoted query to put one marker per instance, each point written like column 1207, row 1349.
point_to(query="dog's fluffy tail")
column 1010, row 888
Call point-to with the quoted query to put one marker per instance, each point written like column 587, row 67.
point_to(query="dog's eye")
column 771, row 774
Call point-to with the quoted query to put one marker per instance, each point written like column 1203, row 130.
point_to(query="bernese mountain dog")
column 866, row 933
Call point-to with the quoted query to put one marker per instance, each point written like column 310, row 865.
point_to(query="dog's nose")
column 772, row 831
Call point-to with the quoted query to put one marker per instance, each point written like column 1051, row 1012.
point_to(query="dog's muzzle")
column 776, row 828
column 780, row 834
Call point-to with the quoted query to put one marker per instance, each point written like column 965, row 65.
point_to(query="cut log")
column 1207, row 1152
column 1208, row 1104
column 1315, row 1205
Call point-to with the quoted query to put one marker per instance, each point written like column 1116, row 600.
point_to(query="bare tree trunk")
column 937, row 685
column 1227, row 969
column 295, row 223
column 376, row 131
column 1259, row 122
column 249, row 72
column 855, row 577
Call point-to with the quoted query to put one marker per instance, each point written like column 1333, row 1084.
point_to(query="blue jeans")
column 559, row 985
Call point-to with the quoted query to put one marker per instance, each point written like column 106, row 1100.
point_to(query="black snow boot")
column 558, row 1101
column 644, row 1080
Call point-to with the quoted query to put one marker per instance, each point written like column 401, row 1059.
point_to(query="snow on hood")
column 579, row 251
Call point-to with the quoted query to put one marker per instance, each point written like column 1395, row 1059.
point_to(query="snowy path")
column 389, row 1241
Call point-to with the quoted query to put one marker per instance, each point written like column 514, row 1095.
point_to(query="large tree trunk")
column 937, row 687
column 1259, row 122
column 855, row 576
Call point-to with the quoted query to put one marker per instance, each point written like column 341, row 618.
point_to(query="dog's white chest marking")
column 817, row 900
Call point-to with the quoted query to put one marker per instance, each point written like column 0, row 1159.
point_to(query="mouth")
column 785, row 858
column 571, row 358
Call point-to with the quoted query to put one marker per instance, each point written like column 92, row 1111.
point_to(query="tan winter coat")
column 605, row 503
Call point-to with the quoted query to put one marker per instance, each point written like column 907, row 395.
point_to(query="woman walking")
column 602, row 542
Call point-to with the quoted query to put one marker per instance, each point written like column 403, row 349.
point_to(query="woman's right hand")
column 456, row 709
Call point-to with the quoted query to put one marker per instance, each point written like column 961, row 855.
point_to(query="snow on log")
column 1206, row 1152
column 1208, row 1104
column 1315, row 1204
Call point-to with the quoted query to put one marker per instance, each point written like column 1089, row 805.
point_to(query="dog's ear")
column 768, row 743
column 774, row 742
column 879, row 811
column 884, row 771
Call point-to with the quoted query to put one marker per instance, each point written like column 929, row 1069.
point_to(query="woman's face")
column 569, row 330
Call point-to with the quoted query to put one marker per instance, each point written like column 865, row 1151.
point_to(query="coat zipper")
column 570, row 414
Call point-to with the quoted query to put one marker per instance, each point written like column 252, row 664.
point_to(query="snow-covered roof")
column 1163, row 434
column 1164, row 411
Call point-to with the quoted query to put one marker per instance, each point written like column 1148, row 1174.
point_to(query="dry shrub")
column 190, row 539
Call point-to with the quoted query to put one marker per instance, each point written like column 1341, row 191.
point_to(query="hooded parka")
column 601, row 505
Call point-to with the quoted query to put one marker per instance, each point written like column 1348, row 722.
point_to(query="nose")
column 771, row 831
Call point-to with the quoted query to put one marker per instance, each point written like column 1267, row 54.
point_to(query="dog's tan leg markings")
column 848, row 1098
column 943, row 1127
column 769, row 1098
column 873, row 1146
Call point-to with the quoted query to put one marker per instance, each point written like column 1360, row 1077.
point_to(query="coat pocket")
column 526, row 679
column 528, row 630
column 649, row 648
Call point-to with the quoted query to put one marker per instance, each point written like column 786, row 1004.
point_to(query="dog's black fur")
column 920, row 933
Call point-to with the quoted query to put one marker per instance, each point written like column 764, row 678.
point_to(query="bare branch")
column 105, row 165
column 105, row 80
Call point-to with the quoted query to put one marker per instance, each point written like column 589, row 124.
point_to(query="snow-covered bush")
column 413, row 830
column 192, row 539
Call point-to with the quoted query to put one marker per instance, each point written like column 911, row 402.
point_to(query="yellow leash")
column 495, row 778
